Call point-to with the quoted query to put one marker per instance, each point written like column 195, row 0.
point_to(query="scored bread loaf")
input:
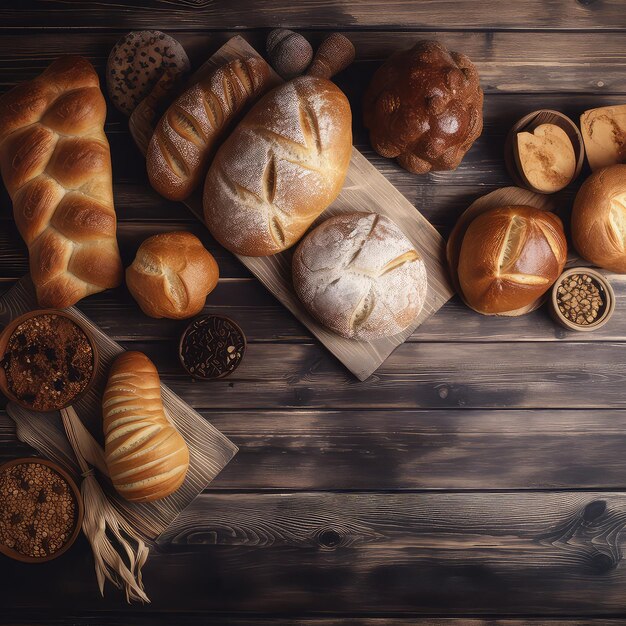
column 187, row 134
column 280, row 168
column 599, row 218
column 146, row 456
column 360, row 276
column 56, row 165
column 510, row 256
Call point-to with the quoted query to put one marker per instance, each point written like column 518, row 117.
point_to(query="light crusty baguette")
column 510, row 257
column 146, row 456
column 188, row 133
column 56, row 165
column 599, row 218
column 280, row 168
column 360, row 276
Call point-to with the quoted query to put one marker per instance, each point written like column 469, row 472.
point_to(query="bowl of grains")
column 582, row 299
column 41, row 510
column 47, row 360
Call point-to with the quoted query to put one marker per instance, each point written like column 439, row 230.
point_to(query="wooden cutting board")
column 209, row 449
column 365, row 189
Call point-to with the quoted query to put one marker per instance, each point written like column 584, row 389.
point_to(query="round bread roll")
column 360, row 276
column 509, row 257
column 171, row 276
column 137, row 62
column 599, row 219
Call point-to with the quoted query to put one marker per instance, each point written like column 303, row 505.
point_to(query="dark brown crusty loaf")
column 424, row 107
column 188, row 133
column 56, row 165
column 510, row 256
column 280, row 168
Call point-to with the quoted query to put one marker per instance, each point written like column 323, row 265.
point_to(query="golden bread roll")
column 56, row 165
column 146, row 456
column 280, row 168
column 185, row 138
column 599, row 219
column 171, row 276
column 510, row 256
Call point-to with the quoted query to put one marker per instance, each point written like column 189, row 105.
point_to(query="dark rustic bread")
column 424, row 107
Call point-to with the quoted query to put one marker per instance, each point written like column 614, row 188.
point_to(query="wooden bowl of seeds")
column 582, row 299
column 41, row 510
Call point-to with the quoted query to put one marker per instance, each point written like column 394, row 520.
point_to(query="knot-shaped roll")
column 146, row 456
column 510, row 257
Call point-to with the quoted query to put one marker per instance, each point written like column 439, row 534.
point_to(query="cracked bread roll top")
column 599, row 219
column 171, row 276
column 146, row 456
column 360, row 276
column 510, row 257
column 280, row 168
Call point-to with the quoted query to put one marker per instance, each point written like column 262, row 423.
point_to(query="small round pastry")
column 289, row 53
column 599, row 219
column 171, row 276
column 360, row 276
column 424, row 108
column 137, row 62
column 510, row 257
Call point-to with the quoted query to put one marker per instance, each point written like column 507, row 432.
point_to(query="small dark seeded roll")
column 136, row 63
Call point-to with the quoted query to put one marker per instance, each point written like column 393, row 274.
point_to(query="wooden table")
column 480, row 472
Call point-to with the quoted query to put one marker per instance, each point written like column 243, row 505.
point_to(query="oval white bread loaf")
column 146, row 456
column 280, row 168
column 599, row 219
column 186, row 136
column 360, row 276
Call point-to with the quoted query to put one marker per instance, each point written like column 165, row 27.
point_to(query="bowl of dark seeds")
column 582, row 299
column 41, row 510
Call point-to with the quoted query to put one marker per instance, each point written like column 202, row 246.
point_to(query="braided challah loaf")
column 56, row 165
column 280, row 168
column 146, row 456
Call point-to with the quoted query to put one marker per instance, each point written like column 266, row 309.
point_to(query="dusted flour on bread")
column 360, row 276
column 280, row 168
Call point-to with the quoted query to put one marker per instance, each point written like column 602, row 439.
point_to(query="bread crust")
column 280, row 168
column 510, row 256
column 171, row 276
column 599, row 219
column 146, row 456
column 187, row 135
column 56, row 165
column 360, row 276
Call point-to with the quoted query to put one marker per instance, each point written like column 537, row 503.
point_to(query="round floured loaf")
column 280, row 168
column 360, row 276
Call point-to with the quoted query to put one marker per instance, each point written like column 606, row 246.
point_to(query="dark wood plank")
column 404, row 450
column 442, row 553
column 463, row 14
column 556, row 62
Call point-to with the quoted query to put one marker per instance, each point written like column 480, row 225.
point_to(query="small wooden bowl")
column 78, row 521
column 4, row 340
column 605, row 289
column 528, row 124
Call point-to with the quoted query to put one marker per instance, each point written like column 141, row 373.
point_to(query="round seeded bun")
column 360, row 276
column 136, row 63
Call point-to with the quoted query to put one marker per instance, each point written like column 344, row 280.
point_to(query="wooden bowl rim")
column 6, row 333
column 511, row 155
column 80, row 510
column 608, row 290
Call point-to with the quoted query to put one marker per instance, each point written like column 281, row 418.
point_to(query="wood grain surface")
column 478, row 478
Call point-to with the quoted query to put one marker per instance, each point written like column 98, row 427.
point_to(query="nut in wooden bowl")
column 582, row 299
column 544, row 151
